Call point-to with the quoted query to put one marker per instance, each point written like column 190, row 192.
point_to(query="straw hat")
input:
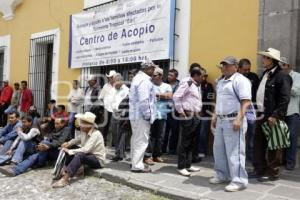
column 111, row 73
column 87, row 117
column 271, row 53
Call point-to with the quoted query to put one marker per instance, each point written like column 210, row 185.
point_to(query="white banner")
column 125, row 32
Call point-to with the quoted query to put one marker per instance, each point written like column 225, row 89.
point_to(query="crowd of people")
column 251, row 119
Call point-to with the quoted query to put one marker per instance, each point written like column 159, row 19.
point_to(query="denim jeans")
column 250, row 139
column 10, row 109
column 6, row 147
column 73, row 163
column 23, row 147
column 171, row 135
column 39, row 159
column 229, row 152
column 71, row 123
column 26, row 164
column 157, row 132
column 293, row 122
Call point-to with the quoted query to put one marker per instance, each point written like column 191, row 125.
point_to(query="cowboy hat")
column 87, row 117
column 111, row 73
column 148, row 63
column 271, row 53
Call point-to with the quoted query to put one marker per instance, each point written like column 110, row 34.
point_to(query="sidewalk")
column 165, row 181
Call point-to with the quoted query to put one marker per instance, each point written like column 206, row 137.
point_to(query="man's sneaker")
column 184, row 172
column 216, row 181
column 193, row 169
column 7, row 171
column 233, row 187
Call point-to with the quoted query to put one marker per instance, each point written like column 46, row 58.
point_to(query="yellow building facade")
column 210, row 31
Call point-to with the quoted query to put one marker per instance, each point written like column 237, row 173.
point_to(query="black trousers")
column 119, row 135
column 73, row 163
column 270, row 164
column 3, row 116
column 105, row 129
column 157, row 131
column 187, row 141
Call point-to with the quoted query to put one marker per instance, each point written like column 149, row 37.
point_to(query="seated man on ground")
column 25, row 143
column 46, row 150
column 9, row 133
column 92, row 151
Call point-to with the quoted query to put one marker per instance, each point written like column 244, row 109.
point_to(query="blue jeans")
column 203, row 139
column 10, row 109
column 6, row 147
column 23, row 147
column 38, row 159
column 250, row 138
column 26, row 164
column 229, row 152
column 71, row 123
column 293, row 122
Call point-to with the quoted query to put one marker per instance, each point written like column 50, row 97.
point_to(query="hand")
column 65, row 145
column 213, row 122
column 182, row 115
column 236, row 125
column 19, row 129
column 65, row 150
column 272, row 121
column 43, row 147
column 9, row 153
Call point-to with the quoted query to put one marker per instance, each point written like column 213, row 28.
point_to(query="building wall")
column 280, row 28
column 34, row 16
column 222, row 28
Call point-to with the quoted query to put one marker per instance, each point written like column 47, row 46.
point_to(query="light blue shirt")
column 162, row 109
column 227, row 102
column 293, row 107
column 142, row 98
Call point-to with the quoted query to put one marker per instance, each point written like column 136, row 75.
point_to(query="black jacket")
column 254, row 83
column 58, row 137
column 277, row 94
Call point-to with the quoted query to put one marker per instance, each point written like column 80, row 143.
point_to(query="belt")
column 232, row 115
column 191, row 113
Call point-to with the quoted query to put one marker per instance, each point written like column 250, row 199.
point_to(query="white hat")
column 111, row 73
column 158, row 71
column 147, row 63
column 284, row 60
column 92, row 78
column 271, row 53
column 87, row 117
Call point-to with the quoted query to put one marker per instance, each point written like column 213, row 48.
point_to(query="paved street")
column 35, row 185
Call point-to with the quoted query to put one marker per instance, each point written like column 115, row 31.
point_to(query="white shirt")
column 107, row 96
column 260, row 95
column 119, row 96
column 75, row 98
column 293, row 107
column 227, row 101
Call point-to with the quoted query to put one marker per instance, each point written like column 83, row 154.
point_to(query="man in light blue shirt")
column 141, row 114
column 292, row 118
column 163, row 93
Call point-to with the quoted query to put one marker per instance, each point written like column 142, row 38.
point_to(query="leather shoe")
column 149, row 161
column 158, row 159
column 267, row 178
column 145, row 170
column 116, row 159
column 7, row 171
column 253, row 175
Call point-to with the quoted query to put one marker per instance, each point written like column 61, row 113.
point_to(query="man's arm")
column 144, row 98
column 63, row 137
column 178, row 96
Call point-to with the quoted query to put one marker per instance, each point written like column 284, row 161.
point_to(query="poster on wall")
column 123, row 32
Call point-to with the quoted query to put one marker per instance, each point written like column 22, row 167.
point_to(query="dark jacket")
column 254, row 84
column 277, row 94
column 58, row 137
column 95, row 93
column 208, row 96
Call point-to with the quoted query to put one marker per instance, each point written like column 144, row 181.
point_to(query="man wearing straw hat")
column 91, row 152
column 141, row 114
column 273, row 96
